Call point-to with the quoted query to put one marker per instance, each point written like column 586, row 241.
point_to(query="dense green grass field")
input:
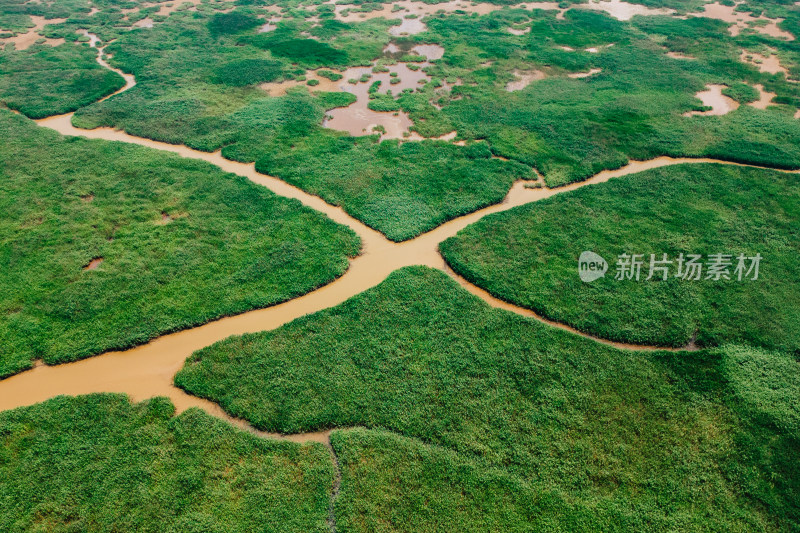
column 182, row 243
column 500, row 421
column 447, row 414
column 99, row 463
column 529, row 256
column 44, row 81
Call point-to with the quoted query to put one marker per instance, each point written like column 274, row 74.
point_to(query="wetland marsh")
column 364, row 241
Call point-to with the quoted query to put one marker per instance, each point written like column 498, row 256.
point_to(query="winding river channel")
column 148, row 370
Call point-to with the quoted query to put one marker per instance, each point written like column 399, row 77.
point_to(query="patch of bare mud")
column 23, row 41
column 712, row 97
column 623, row 10
column 579, row 75
column 740, row 21
column 357, row 119
column 515, row 31
column 678, row 55
column 524, row 78
column 769, row 64
column 94, row 264
column 764, row 98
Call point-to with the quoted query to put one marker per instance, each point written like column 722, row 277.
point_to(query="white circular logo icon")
column 591, row 266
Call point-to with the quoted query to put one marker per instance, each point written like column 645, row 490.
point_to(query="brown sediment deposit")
column 770, row 64
column 623, row 10
column 515, row 31
column 24, row 41
column 94, row 264
column 579, row 75
column 712, row 97
column 400, row 10
column 357, row 118
column 144, row 23
column 418, row 10
column 268, row 27
column 280, row 88
column 596, row 49
column 740, row 20
column 431, row 52
column 408, row 26
column 524, row 78
column 164, row 8
column 678, row 55
column 170, row 7
column 764, row 98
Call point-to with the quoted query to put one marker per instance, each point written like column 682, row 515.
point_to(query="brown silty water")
column 770, row 64
column 740, row 21
column 524, row 78
column 678, row 55
column 623, row 10
column 357, row 119
column 764, row 98
column 148, row 370
column 590, row 72
column 419, row 10
column 713, row 98
column 23, row 41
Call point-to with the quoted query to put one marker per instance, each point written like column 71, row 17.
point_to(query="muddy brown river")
column 148, row 370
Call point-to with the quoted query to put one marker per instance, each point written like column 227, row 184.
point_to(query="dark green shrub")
column 333, row 76
column 233, row 22
column 741, row 92
column 248, row 72
column 304, row 51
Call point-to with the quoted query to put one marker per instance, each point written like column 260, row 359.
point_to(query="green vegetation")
column 400, row 189
column 43, row 81
column 529, row 256
column 230, row 23
column 768, row 384
column 308, row 52
column 98, row 463
column 182, row 243
column 572, row 128
column 568, row 128
column 198, row 69
column 394, row 483
column 741, row 92
column 452, row 415
column 249, row 72
column 333, row 76
column 507, row 424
